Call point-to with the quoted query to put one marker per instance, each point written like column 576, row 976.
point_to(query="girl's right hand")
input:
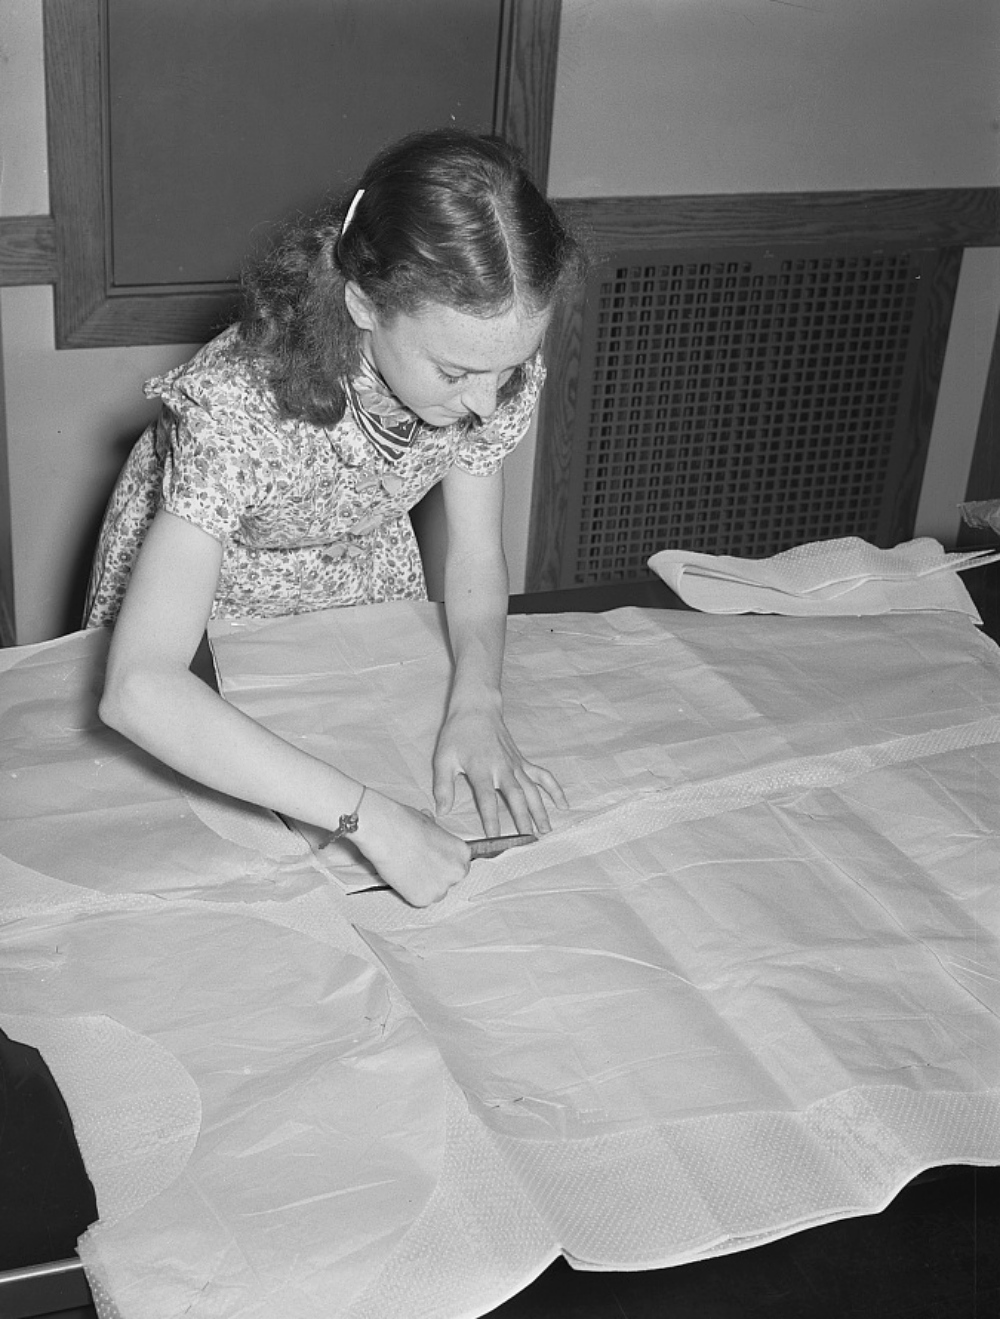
column 410, row 850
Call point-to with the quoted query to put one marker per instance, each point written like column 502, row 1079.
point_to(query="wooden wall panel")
column 90, row 310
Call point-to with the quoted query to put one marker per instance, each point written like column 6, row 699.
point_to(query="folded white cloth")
column 982, row 513
column 846, row 576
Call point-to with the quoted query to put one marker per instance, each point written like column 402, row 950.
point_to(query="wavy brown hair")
column 447, row 217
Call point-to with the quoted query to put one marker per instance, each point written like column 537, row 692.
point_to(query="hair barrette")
column 350, row 210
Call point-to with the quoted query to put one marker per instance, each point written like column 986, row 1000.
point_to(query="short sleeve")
column 481, row 452
column 218, row 439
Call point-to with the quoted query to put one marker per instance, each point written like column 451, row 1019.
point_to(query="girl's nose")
column 480, row 396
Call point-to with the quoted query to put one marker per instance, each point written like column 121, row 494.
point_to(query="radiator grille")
column 740, row 402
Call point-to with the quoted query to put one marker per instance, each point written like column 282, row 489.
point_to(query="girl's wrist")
column 475, row 697
column 348, row 823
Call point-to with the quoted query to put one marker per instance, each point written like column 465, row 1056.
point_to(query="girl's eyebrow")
column 447, row 364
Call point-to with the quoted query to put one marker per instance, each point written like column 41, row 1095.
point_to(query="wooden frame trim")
column 73, row 78
column 931, row 217
column 89, row 312
column 526, row 80
column 27, row 250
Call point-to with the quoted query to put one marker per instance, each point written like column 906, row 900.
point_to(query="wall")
column 652, row 96
column 718, row 96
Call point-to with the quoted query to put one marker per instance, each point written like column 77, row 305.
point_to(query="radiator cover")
column 742, row 401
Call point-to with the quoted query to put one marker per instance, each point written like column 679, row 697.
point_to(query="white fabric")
column 983, row 513
column 747, row 985
column 846, row 576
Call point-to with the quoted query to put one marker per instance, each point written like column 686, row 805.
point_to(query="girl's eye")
column 452, row 380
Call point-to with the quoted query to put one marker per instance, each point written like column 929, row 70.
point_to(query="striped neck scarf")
column 389, row 426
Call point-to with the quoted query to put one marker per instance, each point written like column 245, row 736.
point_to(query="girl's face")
column 443, row 364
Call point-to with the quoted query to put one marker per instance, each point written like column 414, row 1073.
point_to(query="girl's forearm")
column 476, row 610
column 174, row 716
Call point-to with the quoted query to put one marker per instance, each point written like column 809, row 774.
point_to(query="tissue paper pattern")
column 747, row 984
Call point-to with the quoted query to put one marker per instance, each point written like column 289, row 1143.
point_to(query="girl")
column 380, row 350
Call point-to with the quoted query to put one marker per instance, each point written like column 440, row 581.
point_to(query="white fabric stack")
column 746, row 986
column 846, row 576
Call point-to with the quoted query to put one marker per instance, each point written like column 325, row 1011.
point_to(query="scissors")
column 481, row 848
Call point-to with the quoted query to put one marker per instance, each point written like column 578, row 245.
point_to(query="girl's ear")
column 359, row 308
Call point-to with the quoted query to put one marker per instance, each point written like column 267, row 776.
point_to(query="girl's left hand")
column 480, row 747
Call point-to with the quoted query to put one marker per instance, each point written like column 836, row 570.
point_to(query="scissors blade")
column 488, row 847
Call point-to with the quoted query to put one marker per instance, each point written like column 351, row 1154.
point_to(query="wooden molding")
column 73, row 76
column 926, row 217
column 554, row 450
column 27, row 250
column 526, row 85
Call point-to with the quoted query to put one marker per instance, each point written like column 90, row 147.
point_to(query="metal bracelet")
column 349, row 823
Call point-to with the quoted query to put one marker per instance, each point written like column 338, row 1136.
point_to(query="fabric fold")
column 843, row 576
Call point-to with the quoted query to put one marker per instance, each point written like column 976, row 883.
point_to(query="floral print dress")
column 309, row 517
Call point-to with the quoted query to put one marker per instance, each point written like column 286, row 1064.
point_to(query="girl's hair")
column 447, row 217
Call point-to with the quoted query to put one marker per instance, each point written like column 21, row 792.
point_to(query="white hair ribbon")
column 350, row 211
